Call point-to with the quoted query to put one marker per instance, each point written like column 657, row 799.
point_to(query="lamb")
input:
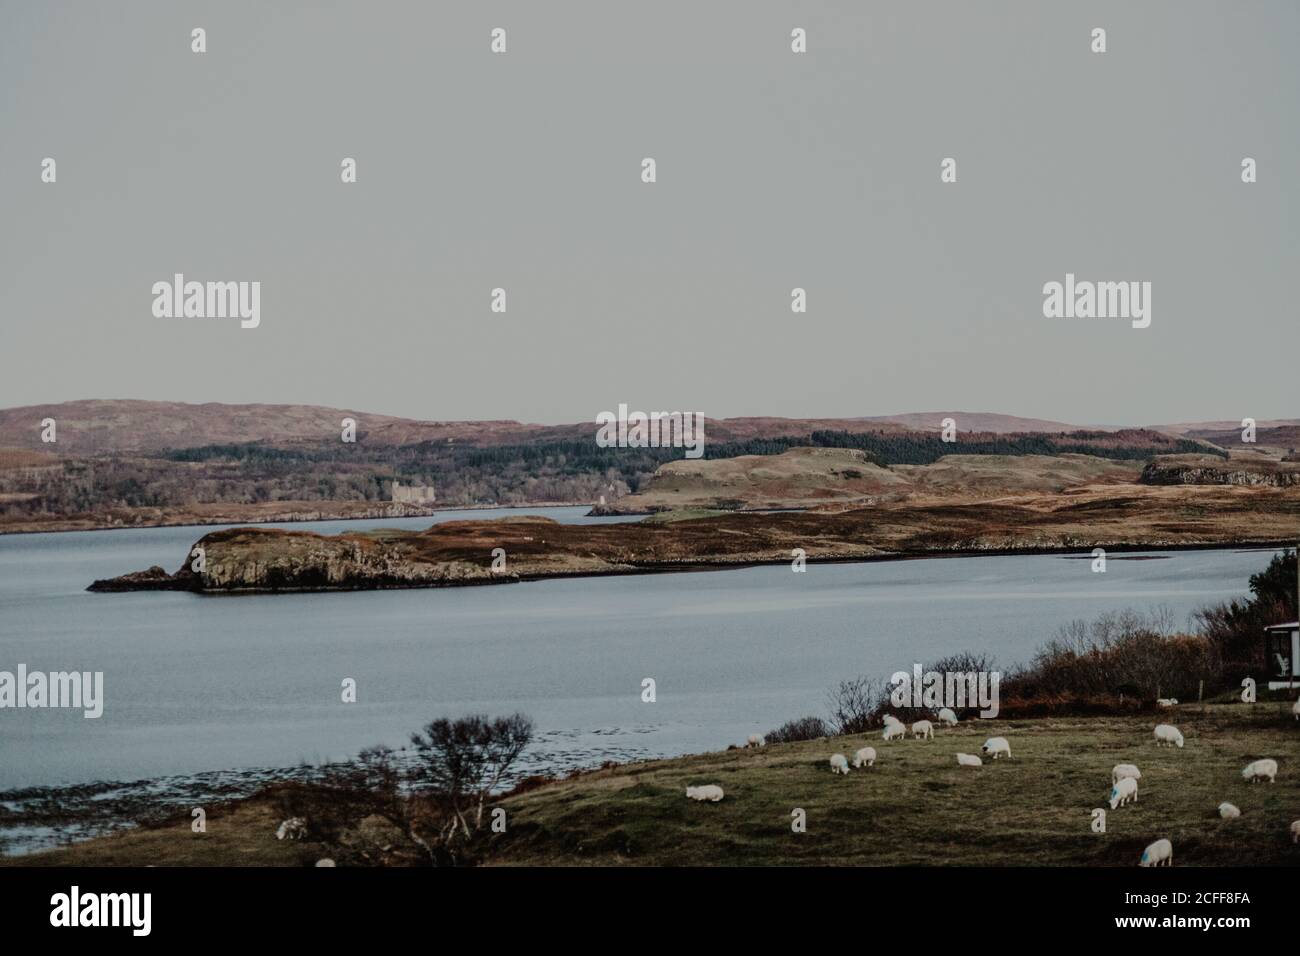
column 1168, row 734
column 295, row 828
column 1123, row 770
column 895, row 731
column 947, row 717
column 867, row 755
column 839, row 763
column 969, row 760
column 711, row 792
column 1295, row 831
column 923, row 729
column 1260, row 769
column 1167, row 702
column 1124, row 791
column 1228, row 811
column 1160, row 853
column 997, row 747
column 756, row 740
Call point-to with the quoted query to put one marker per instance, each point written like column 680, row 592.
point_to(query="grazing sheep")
column 890, row 720
column 1160, row 853
column 1168, row 734
column 997, row 747
column 711, row 792
column 895, row 731
column 1228, row 811
column 1123, row 770
column 947, row 717
column 839, row 763
column 1167, row 702
column 1124, row 791
column 1260, row 769
column 1295, row 831
column 867, row 755
column 295, row 828
column 923, row 729
column 756, row 740
column 969, row 760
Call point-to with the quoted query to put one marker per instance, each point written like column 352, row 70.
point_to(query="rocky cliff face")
column 1223, row 473
column 261, row 559
column 266, row 559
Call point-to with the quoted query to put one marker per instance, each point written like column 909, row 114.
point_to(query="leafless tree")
column 462, row 761
column 853, row 704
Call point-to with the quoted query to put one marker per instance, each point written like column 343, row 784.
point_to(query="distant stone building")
column 413, row 494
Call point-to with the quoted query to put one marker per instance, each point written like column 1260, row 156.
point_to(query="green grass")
column 915, row 807
column 682, row 514
column 241, row 833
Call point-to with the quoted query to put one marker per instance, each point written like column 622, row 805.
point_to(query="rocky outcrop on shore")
column 155, row 578
column 1216, row 471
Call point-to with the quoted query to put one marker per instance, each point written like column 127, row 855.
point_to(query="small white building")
column 1282, row 655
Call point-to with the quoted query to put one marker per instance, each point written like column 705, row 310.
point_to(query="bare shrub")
column 435, row 801
column 1119, row 654
column 802, row 728
column 855, row 705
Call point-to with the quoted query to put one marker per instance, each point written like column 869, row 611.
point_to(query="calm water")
column 197, row 683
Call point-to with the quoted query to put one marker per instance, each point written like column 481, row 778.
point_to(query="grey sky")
column 775, row 170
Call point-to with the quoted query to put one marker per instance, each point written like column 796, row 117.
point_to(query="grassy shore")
column 915, row 807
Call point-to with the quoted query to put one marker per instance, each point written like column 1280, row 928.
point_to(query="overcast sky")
column 775, row 170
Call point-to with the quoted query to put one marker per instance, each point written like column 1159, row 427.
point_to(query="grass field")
column 915, row 807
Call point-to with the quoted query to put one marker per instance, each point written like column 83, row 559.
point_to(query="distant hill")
column 126, row 426
column 106, row 426
column 133, row 462
column 843, row 477
column 1282, row 437
column 982, row 422
column 1205, row 429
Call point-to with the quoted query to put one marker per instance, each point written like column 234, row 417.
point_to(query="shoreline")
column 924, row 771
column 691, row 567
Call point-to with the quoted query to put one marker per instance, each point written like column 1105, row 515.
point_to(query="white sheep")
column 1160, row 853
column 325, row 861
column 1260, row 769
column 894, row 731
column 710, row 791
column 295, row 828
column 890, row 719
column 756, row 740
column 969, row 760
column 947, row 717
column 1228, row 811
column 1167, row 702
column 1295, row 831
column 1295, row 708
column 997, row 747
column 1168, row 734
column 867, row 755
column 923, row 729
column 1124, row 791
column 839, row 763
column 1123, row 770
